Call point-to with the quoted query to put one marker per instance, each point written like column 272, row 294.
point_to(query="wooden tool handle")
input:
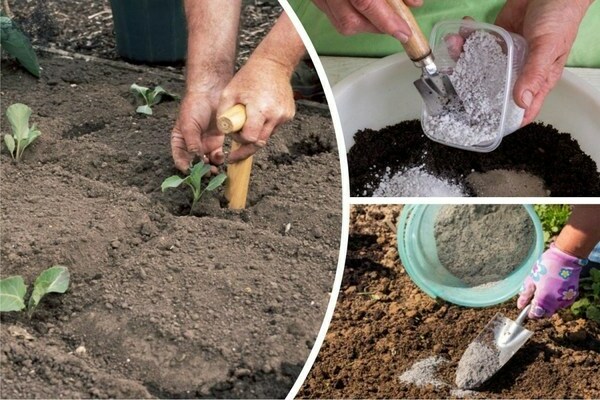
column 232, row 120
column 417, row 46
column 238, row 174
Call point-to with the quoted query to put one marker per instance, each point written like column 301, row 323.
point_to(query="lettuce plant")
column 22, row 134
column 194, row 181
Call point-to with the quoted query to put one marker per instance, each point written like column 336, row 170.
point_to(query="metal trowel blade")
column 493, row 347
column 437, row 92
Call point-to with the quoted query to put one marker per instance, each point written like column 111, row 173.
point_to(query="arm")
column 582, row 231
column 263, row 86
column 212, row 38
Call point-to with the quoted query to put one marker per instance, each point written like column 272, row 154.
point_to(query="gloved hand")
column 553, row 283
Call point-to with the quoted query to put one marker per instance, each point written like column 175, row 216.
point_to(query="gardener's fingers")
column 538, row 311
column 356, row 16
column 526, row 294
column 249, row 149
column 541, row 71
column 181, row 157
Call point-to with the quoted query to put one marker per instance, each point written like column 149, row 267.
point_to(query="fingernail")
column 260, row 143
column 401, row 36
column 538, row 311
column 527, row 98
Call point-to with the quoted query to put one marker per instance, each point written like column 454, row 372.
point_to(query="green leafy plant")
column 150, row 97
column 588, row 304
column 13, row 289
column 23, row 135
column 15, row 43
column 194, row 181
column 553, row 218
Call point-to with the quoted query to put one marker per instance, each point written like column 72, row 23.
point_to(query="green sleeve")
column 585, row 52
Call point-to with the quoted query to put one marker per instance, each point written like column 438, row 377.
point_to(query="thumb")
column 535, row 73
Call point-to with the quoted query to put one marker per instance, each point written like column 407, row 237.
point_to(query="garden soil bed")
column 383, row 324
column 218, row 304
column 539, row 150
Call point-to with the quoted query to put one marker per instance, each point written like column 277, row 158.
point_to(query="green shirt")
column 585, row 52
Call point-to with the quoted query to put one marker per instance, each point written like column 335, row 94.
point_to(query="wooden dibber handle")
column 417, row 46
column 238, row 174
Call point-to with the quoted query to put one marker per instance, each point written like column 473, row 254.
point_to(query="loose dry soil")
column 219, row 304
column 383, row 325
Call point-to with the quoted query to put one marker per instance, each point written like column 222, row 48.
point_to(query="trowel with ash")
column 499, row 340
column 434, row 86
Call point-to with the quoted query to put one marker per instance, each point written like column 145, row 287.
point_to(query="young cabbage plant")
column 194, row 181
column 23, row 135
column 150, row 97
column 13, row 289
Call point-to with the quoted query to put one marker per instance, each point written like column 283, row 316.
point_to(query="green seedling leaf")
column 22, row 135
column 10, row 144
column 196, row 174
column 145, row 109
column 53, row 280
column 150, row 97
column 216, row 182
column 14, row 41
column 12, row 293
column 171, row 182
column 18, row 116
column 157, row 94
column 140, row 92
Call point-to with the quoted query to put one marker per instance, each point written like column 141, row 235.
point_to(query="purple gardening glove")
column 553, row 283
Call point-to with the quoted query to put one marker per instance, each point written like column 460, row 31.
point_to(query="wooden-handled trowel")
column 435, row 86
column 238, row 174
column 499, row 340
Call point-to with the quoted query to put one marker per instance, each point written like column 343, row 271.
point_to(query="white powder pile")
column 479, row 78
column 477, row 365
column 416, row 181
column 424, row 372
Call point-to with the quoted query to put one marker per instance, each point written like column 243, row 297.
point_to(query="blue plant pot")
column 150, row 31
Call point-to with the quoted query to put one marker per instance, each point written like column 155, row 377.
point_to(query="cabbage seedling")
column 18, row 115
column 13, row 289
column 150, row 97
column 194, row 181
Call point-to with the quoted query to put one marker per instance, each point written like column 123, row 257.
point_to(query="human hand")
column 550, row 28
column 553, row 283
column 195, row 133
column 350, row 17
column 263, row 86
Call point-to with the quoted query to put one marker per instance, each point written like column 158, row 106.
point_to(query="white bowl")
column 383, row 94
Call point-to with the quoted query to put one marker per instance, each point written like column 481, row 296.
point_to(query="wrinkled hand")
column 553, row 283
column 550, row 28
column 195, row 134
column 350, row 17
column 263, row 86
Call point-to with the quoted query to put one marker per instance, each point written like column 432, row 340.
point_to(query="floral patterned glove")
column 553, row 283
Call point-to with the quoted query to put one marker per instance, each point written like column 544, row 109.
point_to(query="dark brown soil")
column 538, row 149
column 383, row 324
column 219, row 304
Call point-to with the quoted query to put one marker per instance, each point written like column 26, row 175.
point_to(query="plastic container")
column 150, row 31
column 515, row 47
column 418, row 252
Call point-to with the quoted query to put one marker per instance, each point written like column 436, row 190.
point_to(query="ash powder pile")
column 479, row 78
column 482, row 243
column 477, row 365
column 416, row 182
column 424, row 372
